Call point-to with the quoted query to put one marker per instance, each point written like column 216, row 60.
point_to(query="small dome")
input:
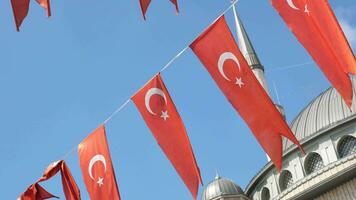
column 221, row 187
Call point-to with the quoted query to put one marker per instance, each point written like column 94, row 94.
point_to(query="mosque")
column 327, row 130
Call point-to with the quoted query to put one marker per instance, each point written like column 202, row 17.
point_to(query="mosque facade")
column 327, row 130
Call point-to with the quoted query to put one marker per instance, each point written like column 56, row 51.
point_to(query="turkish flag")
column 218, row 51
column 161, row 116
column 20, row 9
column 97, row 169
column 146, row 3
column 317, row 29
column 70, row 188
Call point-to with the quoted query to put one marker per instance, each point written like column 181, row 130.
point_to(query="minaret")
column 249, row 52
column 251, row 57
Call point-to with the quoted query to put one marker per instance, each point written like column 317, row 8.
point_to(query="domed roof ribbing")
column 324, row 111
column 221, row 187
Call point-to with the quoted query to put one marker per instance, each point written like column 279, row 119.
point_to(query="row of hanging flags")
column 314, row 24
column 20, row 9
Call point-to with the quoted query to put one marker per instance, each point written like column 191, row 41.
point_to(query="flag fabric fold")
column 36, row 192
column 96, row 166
column 161, row 116
column 70, row 188
column 219, row 53
column 146, row 3
column 317, row 29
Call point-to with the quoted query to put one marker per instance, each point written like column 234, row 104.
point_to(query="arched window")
column 285, row 180
column 347, row 146
column 313, row 163
column 265, row 195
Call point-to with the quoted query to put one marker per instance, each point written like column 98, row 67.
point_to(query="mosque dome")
column 322, row 127
column 221, row 187
column 323, row 112
column 326, row 128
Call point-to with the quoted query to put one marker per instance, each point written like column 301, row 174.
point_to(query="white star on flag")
column 306, row 10
column 100, row 182
column 239, row 82
column 165, row 115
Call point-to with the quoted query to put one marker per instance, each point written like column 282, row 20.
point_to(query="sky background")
column 61, row 77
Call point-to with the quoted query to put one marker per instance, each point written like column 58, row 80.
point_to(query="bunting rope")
column 170, row 62
column 122, row 106
column 117, row 111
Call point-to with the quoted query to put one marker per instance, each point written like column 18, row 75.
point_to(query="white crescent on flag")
column 148, row 96
column 224, row 57
column 95, row 159
column 292, row 5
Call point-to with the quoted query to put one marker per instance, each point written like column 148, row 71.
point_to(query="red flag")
column 46, row 5
column 36, row 192
column 175, row 2
column 144, row 6
column 97, row 169
column 316, row 27
column 158, row 110
column 217, row 50
column 70, row 188
column 20, row 9
column 146, row 3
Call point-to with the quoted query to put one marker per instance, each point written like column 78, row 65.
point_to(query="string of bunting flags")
column 217, row 50
column 21, row 8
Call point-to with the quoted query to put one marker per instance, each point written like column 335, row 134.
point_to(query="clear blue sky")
column 61, row 77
